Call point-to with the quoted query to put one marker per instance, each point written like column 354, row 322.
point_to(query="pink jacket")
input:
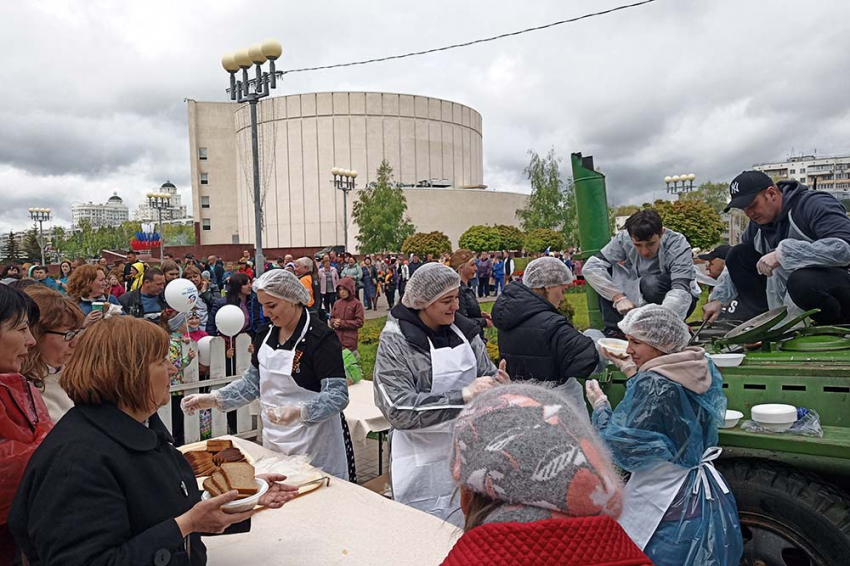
column 323, row 280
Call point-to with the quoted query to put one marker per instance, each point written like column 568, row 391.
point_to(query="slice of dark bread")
column 240, row 476
column 212, row 487
column 217, row 445
column 220, row 481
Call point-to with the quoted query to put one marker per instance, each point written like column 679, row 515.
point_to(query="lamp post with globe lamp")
column 251, row 91
column 679, row 184
column 344, row 181
column 40, row 215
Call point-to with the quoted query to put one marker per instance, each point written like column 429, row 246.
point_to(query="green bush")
column 480, row 238
column 511, row 238
column 541, row 238
column 422, row 244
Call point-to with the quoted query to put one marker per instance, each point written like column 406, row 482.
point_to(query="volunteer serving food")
column 106, row 486
column 430, row 363
column 677, row 507
column 297, row 374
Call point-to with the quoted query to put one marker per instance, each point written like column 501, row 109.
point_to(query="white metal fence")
column 248, row 423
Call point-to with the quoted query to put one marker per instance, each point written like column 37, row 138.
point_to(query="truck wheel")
column 788, row 517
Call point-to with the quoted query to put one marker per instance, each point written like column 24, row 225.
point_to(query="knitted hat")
column 527, row 445
column 460, row 257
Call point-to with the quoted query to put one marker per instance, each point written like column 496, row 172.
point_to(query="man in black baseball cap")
column 716, row 259
column 794, row 252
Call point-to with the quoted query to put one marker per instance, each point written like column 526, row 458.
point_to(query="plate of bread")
column 239, row 477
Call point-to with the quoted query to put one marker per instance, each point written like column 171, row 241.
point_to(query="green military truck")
column 793, row 492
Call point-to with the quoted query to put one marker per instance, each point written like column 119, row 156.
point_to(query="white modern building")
column 112, row 213
column 434, row 146
column 177, row 210
column 822, row 173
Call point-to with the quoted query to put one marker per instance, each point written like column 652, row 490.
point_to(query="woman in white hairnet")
column 537, row 342
column 677, row 507
column 298, row 375
column 430, row 363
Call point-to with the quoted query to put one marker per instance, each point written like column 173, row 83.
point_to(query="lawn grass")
column 371, row 330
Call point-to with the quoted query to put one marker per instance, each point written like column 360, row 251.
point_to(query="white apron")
column 322, row 442
column 421, row 476
column 649, row 493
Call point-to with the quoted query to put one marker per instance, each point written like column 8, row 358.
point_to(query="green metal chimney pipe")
column 593, row 227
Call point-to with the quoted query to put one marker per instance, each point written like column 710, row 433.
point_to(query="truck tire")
column 788, row 517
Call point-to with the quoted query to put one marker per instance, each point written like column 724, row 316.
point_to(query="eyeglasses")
column 68, row 335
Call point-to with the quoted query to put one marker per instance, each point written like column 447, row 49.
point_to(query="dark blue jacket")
column 817, row 214
column 256, row 318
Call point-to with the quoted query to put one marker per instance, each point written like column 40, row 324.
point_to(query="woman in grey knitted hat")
column 536, row 483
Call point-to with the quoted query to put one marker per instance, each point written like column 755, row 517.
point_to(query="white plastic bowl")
column 727, row 360
column 732, row 418
column 775, row 417
column 614, row 345
column 242, row 505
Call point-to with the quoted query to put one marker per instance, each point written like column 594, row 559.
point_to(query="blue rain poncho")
column 659, row 421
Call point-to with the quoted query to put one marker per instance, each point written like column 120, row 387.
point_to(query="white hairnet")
column 546, row 272
column 282, row 284
column 657, row 326
column 428, row 284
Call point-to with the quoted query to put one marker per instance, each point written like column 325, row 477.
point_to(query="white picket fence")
column 248, row 424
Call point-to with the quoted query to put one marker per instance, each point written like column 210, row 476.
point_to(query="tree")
column 480, row 238
column 623, row 210
column 511, row 238
column 11, row 252
column 699, row 223
column 32, row 247
column 422, row 244
column 552, row 201
column 540, row 239
column 380, row 212
column 716, row 195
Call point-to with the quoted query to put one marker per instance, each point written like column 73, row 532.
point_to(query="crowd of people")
column 508, row 453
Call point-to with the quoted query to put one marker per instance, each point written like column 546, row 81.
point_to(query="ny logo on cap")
column 733, row 188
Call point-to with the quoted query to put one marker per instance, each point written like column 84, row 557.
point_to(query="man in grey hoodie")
column 794, row 252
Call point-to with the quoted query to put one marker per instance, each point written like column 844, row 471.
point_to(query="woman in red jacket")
column 24, row 420
column 536, row 485
column 347, row 314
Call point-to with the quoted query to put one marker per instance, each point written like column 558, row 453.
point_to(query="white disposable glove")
column 283, row 415
column 595, row 396
column 623, row 305
column 623, row 362
column 192, row 403
column 502, row 375
column 711, row 310
column 767, row 264
column 478, row 386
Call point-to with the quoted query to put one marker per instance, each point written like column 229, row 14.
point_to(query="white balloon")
column 204, row 350
column 181, row 295
column 230, row 320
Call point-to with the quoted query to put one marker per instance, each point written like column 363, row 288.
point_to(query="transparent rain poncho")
column 429, row 283
column 657, row 326
column 282, row 284
column 546, row 272
column 332, row 399
column 659, row 421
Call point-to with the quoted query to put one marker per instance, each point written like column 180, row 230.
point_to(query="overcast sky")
column 93, row 91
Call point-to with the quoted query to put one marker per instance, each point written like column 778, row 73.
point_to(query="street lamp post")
column 683, row 183
column 344, row 181
column 40, row 215
column 251, row 91
column 160, row 201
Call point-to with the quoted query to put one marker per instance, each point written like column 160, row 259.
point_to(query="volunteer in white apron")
column 677, row 507
column 298, row 374
column 430, row 362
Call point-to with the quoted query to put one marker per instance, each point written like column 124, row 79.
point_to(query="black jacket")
column 817, row 214
column 132, row 304
column 105, row 489
column 418, row 334
column 470, row 308
column 536, row 341
column 256, row 318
